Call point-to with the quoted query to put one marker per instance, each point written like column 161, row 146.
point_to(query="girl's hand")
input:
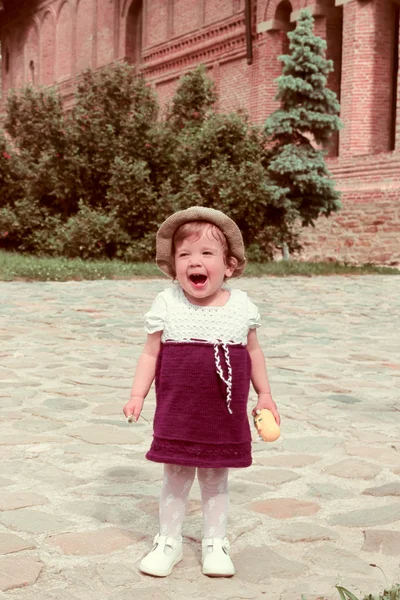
column 133, row 408
column 265, row 401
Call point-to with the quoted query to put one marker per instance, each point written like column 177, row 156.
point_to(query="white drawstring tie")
column 228, row 380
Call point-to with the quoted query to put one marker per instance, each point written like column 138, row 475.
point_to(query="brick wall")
column 186, row 16
column 157, row 23
column 48, row 47
column 104, row 32
column 84, row 34
column 216, row 10
column 366, row 230
column 234, row 85
column 64, row 40
column 32, row 56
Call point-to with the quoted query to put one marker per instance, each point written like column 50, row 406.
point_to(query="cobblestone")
column 79, row 500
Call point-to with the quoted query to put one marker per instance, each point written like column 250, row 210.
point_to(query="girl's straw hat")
column 228, row 227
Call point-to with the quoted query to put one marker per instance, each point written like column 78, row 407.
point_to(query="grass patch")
column 388, row 594
column 17, row 267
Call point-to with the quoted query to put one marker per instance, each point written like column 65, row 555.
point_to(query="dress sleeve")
column 253, row 315
column 154, row 320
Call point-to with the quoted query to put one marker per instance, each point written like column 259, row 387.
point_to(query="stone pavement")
column 78, row 499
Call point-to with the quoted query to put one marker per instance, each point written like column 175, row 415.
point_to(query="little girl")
column 202, row 350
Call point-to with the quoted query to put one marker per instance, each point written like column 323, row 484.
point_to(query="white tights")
column 175, row 492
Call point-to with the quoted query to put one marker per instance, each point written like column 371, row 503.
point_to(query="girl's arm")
column 259, row 376
column 144, row 375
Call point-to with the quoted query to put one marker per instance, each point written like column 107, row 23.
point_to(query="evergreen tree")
column 303, row 124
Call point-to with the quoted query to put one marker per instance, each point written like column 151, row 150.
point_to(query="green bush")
column 90, row 234
column 98, row 181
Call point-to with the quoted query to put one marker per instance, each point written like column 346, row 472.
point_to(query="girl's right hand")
column 133, row 408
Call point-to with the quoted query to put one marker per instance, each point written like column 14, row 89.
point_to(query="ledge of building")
column 195, row 41
column 374, row 171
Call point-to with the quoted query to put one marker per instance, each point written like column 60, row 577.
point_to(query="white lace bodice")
column 181, row 321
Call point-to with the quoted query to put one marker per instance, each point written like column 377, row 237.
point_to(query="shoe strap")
column 222, row 542
column 165, row 540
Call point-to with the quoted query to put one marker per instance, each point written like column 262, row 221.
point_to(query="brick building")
column 52, row 41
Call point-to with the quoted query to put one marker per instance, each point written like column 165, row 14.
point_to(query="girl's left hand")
column 265, row 401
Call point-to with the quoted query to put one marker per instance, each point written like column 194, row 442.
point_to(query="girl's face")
column 201, row 268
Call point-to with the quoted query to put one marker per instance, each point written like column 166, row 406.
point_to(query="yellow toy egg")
column 267, row 427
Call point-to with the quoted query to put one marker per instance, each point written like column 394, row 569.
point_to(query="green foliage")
column 10, row 180
column 220, row 163
column 390, row 594
column 40, row 136
column 29, row 227
column 98, row 181
column 306, row 118
column 90, row 234
column 35, row 121
column 193, row 99
column 113, row 114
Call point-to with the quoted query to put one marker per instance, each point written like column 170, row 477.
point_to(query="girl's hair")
column 195, row 229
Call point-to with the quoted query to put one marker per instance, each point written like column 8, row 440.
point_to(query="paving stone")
column 104, row 513
column 304, row 532
column 353, row 469
column 33, row 521
column 143, row 593
column 383, row 455
column 65, row 404
column 257, row 565
column 368, row 517
column 108, row 409
column 310, row 444
column 101, row 541
column 242, row 491
column 344, row 398
column 370, row 437
column 60, row 594
column 388, row 489
column 310, row 360
column 331, row 558
column 328, row 491
column 285, row 508
column 4, row 482
column 269, row 477
column 382, row 541
column 10, row 543
column 150, row 506
column 133, row 474
column 18, row 572
column 37, row 425
column 19, row 439
column 289, row 461
column 323, row 587
column 105, row 434
column 15, row 500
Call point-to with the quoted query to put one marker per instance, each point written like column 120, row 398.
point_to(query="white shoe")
column 216, row 559
column 165, row 554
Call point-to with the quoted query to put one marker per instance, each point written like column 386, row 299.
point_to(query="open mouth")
column 198, row 280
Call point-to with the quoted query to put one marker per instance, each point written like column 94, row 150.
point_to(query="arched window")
column 134, row 32
column 282, row 16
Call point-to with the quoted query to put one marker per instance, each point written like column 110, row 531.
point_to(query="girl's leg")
column 215, row 498
column 167, row 545
column 215, row 546
column 174, row 495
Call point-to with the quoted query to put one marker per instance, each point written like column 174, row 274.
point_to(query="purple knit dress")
column 202, row 384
